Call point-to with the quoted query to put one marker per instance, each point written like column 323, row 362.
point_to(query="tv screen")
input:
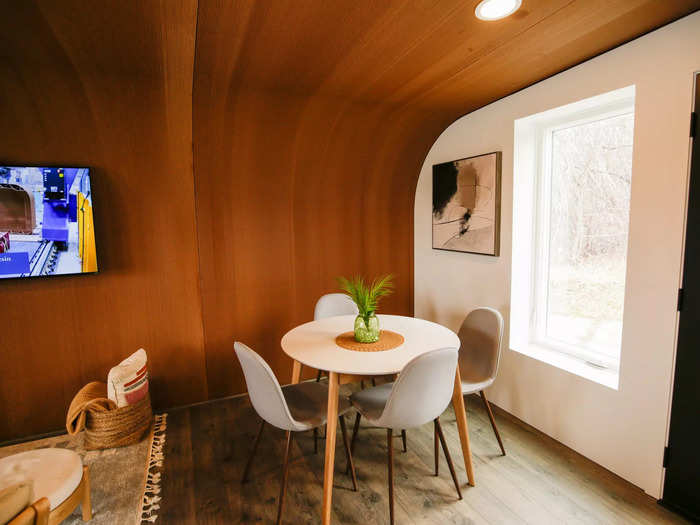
column 46, row 224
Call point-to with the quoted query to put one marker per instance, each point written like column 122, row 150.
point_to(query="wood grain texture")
column 539, row 482
column 108, row 88
column 244, row 154
column 311, row 122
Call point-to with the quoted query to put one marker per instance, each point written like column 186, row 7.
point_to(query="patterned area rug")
column 124, row 482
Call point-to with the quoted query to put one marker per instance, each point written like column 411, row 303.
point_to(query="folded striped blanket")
column 127, row 383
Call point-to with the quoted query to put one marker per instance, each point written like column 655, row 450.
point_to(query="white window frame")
column 532, row 199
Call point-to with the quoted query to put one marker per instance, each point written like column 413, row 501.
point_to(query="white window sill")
column 603, row 376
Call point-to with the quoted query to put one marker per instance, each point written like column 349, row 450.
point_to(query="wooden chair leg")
column 285, row 471
column 348, row 453
column 43, row 509
column 374, row 382
column 318, row 375
column 86, row 502
column 355, row 429
column 438, row 427
column 493, row 422
column 403, row 438
column 436, row 446
column 390, row 461
column 246, row 471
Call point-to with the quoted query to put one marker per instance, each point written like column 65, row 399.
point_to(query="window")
column 573, row 172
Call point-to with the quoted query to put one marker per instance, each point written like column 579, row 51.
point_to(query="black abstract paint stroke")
column 444, row 185
column 463, row 226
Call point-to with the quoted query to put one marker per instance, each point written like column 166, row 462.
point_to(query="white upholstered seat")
column 481, row 338
column 55, row 472
column 294, row 408
column 308, row 403
column 420, row 394
column 480, row 335
column 371, row 401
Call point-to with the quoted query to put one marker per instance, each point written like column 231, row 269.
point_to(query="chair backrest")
column 264, row 390
column 422, row 391
column 481, row 336
column 333, row 304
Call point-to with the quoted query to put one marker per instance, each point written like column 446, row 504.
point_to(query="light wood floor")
column 539, row 482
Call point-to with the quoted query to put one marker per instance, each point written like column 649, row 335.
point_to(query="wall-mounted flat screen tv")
column 46, row 223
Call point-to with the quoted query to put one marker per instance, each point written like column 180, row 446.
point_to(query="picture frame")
column 466, row 212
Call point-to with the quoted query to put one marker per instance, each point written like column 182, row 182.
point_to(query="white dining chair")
column 481, row 338
column 333, row 304
column 330, row 305
column 419, row 395
column 294, row 408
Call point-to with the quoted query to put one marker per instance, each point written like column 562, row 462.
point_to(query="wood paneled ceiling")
column 432, row 53
column 245, row 153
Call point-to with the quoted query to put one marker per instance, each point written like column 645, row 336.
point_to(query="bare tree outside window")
column 591, row 172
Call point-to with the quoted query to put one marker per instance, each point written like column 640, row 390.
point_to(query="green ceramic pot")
column 367, row 332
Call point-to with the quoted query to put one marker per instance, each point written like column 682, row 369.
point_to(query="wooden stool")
column 60, row 481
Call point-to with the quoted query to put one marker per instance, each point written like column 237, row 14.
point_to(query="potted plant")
column 366, row 297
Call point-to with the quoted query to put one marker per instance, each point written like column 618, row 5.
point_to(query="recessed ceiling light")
column 496, row 9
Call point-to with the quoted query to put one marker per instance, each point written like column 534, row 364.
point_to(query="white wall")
column 623, row 430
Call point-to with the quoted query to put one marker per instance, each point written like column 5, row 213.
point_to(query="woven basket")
column 105, row 425
column 118, row 427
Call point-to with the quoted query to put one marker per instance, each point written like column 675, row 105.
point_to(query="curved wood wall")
column 110, row 90
column 245, row 154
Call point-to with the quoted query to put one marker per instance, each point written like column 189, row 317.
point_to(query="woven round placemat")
column 387, row 341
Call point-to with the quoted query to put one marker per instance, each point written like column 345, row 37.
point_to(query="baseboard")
column 33, row 437
column 516, row 420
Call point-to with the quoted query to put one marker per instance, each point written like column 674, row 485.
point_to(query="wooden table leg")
column 296, row 372
column 461, row 415
column 332, row 424
column 86, row 503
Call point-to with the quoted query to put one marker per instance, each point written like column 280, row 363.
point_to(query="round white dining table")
column 313, row 344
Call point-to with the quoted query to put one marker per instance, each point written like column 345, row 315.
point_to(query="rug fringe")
column 151, row 497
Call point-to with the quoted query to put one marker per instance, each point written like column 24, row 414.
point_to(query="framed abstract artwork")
column 467, row 204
